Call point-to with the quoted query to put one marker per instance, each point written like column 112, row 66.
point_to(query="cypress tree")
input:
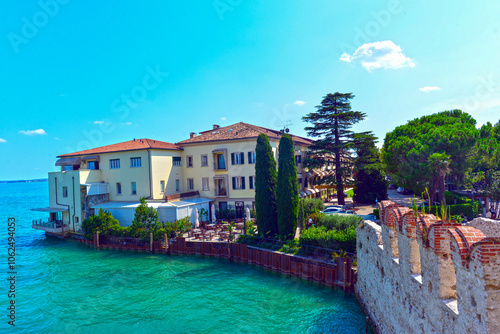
column 265, row 188
column 288, row 188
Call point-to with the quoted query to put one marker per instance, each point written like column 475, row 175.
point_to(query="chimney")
column 216, row 126
column 134, row 139
column 192, row 135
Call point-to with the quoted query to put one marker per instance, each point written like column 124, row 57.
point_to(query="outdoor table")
column 225, row 227
column 239, row 226
column 224, row 235
column 209, row 234
column 211, row 226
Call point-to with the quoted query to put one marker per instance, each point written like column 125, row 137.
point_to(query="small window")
column 237, row 158
column 177, row 185
column 251, row 182
column 93, row 165
column 162, row 186
column 114, row 163
column 219, row 161
column 118, row 188
column 205, row 183
column 176, row 161
column 239, row 182
column 77, row 220
column 190, row 184
column 134, row 188
column 251, row 157
column 298, row 159
column 135, row 162
column 204, row 160
column 65, row 191
column 189, row 161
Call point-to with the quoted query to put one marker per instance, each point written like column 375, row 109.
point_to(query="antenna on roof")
column 286, row 124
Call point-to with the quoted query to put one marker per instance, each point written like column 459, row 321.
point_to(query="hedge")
column 333, row 239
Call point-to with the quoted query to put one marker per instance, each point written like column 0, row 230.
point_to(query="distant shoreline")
column 24, row 181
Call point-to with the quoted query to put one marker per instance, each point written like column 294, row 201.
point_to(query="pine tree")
column 331, row 124
column 265, row 188
column 288, row 188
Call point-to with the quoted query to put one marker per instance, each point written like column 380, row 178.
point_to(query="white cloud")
column 223, row 118
column 383, row 54
column 128, row 123
column 428, row 89
column 299, row 103
column 98, row 122
column 33, row 132
column 2, row 140
column 56, row 138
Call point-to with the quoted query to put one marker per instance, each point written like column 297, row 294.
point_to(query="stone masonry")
column 418, row 274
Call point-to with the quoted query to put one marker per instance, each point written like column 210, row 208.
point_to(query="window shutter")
column 234, row 183
column 242, row 182
column 232, row 158
column 250, row 181
column 250, row 158
column 242, row 158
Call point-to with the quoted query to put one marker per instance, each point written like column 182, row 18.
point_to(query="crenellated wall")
column 418, row 274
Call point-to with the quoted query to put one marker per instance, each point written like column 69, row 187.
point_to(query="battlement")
column 417, row 273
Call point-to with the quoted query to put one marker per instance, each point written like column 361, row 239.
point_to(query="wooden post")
column 166, row 242
column 97, row 239
column 151, row 242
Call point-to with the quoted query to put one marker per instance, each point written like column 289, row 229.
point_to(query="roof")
column 240, row 131
column 131, row 145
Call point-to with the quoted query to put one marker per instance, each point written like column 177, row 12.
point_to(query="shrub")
column 228, row 214
column 102, row 222
column 333, row 239
column 376, row 213
column 459, row 209
column 312, row 205
column 339, row 222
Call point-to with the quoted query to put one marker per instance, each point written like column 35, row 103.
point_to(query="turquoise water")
column 65, row 287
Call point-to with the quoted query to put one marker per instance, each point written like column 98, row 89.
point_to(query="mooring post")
column 345, row 277
column 166, row 242
column 151, row 242
column 97, row 239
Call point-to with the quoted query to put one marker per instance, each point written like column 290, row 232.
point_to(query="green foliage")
column 312, row 205
column 407, row 150
column 251, row 230
column 102, row 222
column 453, row 198
column 228, row 214
column 371, row 184
column 287, row 191
column 334, row 239
column 332, row 123
column 291, row 247
column 339, row 222
column 203, row 215
column 180, row 226
column 301, row 214
column 458, row 210
column 265, row 188
column 146, row 221
column 376, row 213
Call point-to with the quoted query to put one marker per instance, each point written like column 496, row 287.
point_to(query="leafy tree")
column 287, row 192
column 102, row 222
column 312, row 205
column 409, row 150
column 265, row 188
column 146, row 221
column 331, row 123
column 370, row 184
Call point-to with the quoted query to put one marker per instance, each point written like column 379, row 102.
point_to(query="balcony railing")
column 56, row 226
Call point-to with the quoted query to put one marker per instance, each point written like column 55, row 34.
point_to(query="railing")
column 51, row 226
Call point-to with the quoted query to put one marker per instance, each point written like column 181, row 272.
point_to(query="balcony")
column 53, row 227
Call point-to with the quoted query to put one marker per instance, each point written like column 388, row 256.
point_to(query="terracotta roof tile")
column 132, row 145
column 240, row 131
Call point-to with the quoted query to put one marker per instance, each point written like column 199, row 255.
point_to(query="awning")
column 299, row 176
column 302, row 194
column 50, row 209
column 68, row 161
column 91, row 157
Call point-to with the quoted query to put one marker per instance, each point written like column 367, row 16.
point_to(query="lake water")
column 65, row 287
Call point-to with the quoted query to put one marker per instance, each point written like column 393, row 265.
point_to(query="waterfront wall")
column 333, row 274
column 418, row 274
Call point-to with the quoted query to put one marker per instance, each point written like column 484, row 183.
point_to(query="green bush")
column 228, row 214
column 376, row 213
column 102, row 222
column 339, row 222
column 459, row 209
column 451, row 197
column 312, row 205
column 333, row 239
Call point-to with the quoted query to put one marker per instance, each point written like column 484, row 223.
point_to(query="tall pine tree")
column 288, row 188
column 265, row 188
column 332, row 123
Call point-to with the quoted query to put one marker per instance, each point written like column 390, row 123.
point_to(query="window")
column 176, row 161
column 189, row 159
column 177, row 185
column 114, row 163
column 220, row 161
column 204, row 182
column 77, row 220
column 134, row 188
column 118, row 188
column 251, row 157
column 65, row 191
column 204, row 160
column 237, row 158
column 239, row 182
column 162, row 186
column 68, row 168
column 93, row 165
column 298, row 159
column 190, row 184
column 251, row 182
column 135, row 162
column 220, row 186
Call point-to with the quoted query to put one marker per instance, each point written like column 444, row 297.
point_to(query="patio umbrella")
column 214, row 219
column 248, row 214
column 196, row 219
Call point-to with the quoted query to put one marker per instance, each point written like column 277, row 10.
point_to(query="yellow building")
column 215, row 166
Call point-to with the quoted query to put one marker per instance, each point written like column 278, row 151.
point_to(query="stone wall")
column 92, row 200
column 418, row 274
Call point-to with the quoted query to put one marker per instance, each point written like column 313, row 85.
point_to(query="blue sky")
column 77, row 74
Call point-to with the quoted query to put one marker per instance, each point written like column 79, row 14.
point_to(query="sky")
column 81, row 74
